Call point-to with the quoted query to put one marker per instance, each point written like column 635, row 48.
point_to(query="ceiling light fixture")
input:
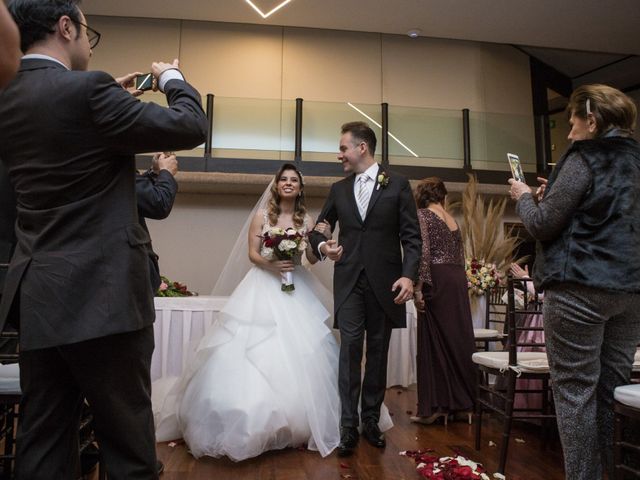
column 380, row 126
column 414, row 32
column 273, row 10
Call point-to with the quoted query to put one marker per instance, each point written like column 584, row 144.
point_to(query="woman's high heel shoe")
column 463, row 416
column 431, row 418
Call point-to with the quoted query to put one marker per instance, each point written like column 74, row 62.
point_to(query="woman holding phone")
column 587, row 224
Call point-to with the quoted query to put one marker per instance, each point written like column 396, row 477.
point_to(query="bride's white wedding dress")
column 264, row 377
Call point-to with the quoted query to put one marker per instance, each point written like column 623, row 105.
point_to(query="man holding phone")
column 156, row 191
column 78, row 282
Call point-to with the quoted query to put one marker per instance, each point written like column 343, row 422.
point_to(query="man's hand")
column 128, row 83
column 158, row 68
column 332, row 250
column 406, row 290
column 165, row 161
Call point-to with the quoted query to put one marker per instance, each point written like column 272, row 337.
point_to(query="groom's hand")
column 406, row 290
column 332, row 250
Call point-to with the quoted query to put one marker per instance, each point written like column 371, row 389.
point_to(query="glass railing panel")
column 250, row 128
column 425, row 137
column 493, row 135
column 321, row 122
column 265, row 129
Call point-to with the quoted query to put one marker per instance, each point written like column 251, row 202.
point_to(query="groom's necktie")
column 362, row 195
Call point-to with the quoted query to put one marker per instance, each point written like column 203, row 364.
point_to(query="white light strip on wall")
column 273, row 10
column 380, row 126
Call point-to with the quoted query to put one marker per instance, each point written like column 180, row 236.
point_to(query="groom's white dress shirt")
column 372, row 173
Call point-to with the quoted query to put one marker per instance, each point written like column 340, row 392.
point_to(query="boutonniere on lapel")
column 383, row 180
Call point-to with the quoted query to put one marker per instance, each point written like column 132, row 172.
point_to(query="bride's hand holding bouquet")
column 282, row 247
column 281, row 266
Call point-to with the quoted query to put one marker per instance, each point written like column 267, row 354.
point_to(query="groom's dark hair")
column 361, row 132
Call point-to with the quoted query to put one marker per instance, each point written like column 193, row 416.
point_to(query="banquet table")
column 182, row 321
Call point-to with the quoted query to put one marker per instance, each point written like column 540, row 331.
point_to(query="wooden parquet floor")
column 527, row 460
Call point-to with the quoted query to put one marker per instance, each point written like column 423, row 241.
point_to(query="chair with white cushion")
column 495, row 319
column 635, row 371
column 626, row 408
column 510, row 365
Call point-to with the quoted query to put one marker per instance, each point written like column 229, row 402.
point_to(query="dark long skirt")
column 446, row 374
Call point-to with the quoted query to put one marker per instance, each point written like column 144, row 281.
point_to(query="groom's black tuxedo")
column 373, row 244
column 79, row 277
column 371, row 262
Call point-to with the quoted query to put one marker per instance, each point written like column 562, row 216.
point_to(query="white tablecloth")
column 401, row 365
column 182, row 321
column 180, row 324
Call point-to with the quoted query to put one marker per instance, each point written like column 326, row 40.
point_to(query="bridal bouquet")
column 283, row 245
column 481, row 276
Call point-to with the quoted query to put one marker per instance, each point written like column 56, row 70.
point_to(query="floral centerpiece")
column 481, row 276
column 283, row 244
column 488, row 246
column 172, row 289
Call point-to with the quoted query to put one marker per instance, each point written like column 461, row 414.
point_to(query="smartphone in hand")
column 144, row 82
column 516, row 167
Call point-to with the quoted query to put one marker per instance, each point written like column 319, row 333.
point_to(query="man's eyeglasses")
column 92, row 35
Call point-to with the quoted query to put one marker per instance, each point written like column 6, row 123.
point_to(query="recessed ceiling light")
column 414, row 32
column 273, row 10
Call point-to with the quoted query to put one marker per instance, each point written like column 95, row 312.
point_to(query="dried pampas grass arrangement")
column 481, row 229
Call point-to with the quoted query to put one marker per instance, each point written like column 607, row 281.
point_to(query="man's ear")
column 591, row 123
column 64, row 27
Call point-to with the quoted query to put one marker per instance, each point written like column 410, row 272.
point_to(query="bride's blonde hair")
column 273, row 206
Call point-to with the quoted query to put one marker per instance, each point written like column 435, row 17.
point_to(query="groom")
column 372, row 279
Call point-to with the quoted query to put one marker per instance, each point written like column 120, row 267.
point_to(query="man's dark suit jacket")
column 155, row 195
column 68, row 139
column 7, row 221
column 374, row 244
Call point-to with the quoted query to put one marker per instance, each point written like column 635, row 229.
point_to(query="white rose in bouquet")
column 287, row 245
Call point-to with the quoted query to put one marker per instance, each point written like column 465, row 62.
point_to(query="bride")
column 265, row 376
